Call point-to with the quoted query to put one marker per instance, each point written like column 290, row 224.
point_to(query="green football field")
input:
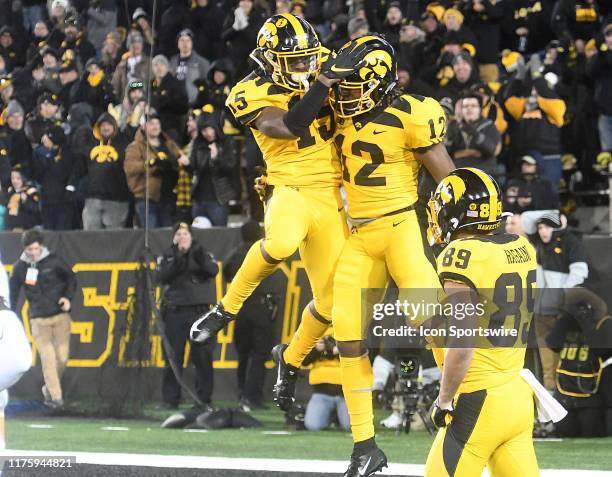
column 271, row 441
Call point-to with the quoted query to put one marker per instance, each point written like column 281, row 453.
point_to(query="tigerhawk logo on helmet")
column 468, row 200
column 364, row 89
column 288, row 51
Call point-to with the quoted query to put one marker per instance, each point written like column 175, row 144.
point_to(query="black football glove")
column 344, row 63
column 438, row 416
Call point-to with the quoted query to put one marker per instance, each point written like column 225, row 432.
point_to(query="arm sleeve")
column 69, row 278
column 549, row 102
column 207, row 265
column 15, row 283
column 530, row 218
column 578, row 267
column 487, row 139
column 247, row 100
column 170, row 266
column 424, row 121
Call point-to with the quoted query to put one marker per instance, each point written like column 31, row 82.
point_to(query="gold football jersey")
column 379, row 169
column 306, row 161
column 502, row 268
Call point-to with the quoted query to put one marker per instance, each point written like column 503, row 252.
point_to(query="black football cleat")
column 206, row 327
column 366, row 464
column 284, row 389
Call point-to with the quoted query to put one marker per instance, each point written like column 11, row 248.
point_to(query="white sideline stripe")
column 278, row 465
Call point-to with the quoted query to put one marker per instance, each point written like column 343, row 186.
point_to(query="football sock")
column 357, row 388
column 364, row 446
column 310, row 331
column 253, row 270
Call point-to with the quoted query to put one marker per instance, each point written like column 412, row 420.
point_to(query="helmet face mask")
column 365, row 89
column 288, row 51
column 467, row 199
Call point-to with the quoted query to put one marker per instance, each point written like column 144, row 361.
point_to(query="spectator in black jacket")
column 22, row 204
column 539, row 113
column 53, row 165
column 45, row 116
column 69, row 78
column 599, row 68
column 575, row 21
column 472, row 140
column 213, row 160
column 465, row 75
column 13, row 139
column 107, row 198
column 526, row 25
column 95, row 88
column 527, row 191
column 254, row 331
column 49, row 285
column 240, row 33
column 186, row 269
column 12, row 52
column 168, row 98
column 75, row 44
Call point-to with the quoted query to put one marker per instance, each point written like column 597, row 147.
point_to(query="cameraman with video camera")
column 185, row 269
column 583, row 338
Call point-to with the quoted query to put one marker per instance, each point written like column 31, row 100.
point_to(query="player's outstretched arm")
column 280, row 124
column 436, row 160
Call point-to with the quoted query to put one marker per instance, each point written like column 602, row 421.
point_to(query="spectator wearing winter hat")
column 94, row 88
column 12, row 52
column 410, row 48
column 214, row 88
column 526, row 190
column 394, row 20
column 45, row 115
column 13, row 142
column 483, row 18
column 188, row 66
column 51, row 60
column 75, row 44
column 206, row 25
column 110, row 54
column 539, row 114
column 53, row 167
column 134, row 65
column 22, row 204
column 154, row 154
column 576, row 21
column 240, row 32
column 168, row 97
column 214, row 161
column 465, row 75
column 143, row 24
column 454, row 22
column 130, row 110
column 101, row 20
column 107, row 197
column 357, row 27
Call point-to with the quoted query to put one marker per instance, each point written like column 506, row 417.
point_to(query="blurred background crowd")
column 523, row 82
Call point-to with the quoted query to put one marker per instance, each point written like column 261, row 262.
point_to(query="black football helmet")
column 288, row 50
column 469, row 200
column 365, row 88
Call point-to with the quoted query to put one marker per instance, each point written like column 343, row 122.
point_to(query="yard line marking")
column 195, row 430
column 115, row 428
column 547, row 439
column 41, row 426
column 270, row 465
column 276, row 433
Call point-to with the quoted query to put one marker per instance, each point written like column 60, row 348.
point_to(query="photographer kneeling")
column 185, row 269
column 325, row 379
column 583, row 338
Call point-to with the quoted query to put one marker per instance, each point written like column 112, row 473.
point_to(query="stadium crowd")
column 97, row 94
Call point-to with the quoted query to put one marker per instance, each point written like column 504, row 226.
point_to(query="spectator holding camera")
column 49, row 285
column 472, row 140
column 154, row 154
column 53, row 168
column 327, row 402
column 185, row 270
column 583, row 338
column 213, row 160
column 254, row 331
column 22, row 204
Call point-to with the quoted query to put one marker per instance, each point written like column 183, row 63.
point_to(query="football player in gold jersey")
column 284, row 105
column 485, row 410
column 383, row 138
